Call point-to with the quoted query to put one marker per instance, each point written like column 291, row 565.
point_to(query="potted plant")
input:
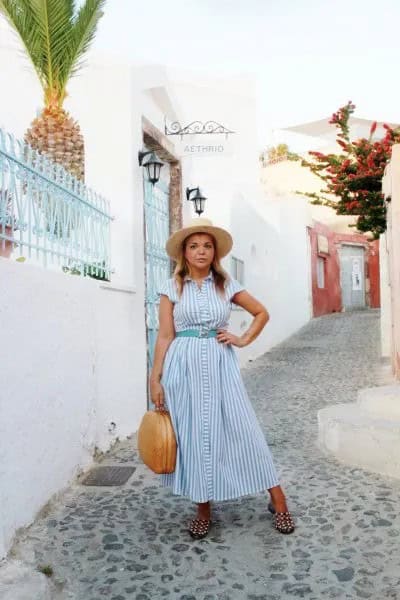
column 94, row 270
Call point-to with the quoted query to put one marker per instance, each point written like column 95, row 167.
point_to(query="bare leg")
column 278, row 499
column 283, row 520
column 200, row 526
column 204, row 511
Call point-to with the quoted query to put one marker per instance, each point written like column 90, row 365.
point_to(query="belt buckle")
column 203, row 333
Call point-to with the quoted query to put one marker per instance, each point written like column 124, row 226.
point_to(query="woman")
column 222, row 453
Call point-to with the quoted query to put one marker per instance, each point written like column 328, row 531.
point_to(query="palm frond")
column 83, row 33
column 22, row 19
column 55, row 36
column 71, row 7
column 54, row 20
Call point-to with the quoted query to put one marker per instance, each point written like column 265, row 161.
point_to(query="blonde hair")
column 182, row 269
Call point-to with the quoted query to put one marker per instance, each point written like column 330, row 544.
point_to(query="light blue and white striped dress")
column 222, row 453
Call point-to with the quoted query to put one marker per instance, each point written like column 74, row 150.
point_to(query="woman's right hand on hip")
column 157, row 394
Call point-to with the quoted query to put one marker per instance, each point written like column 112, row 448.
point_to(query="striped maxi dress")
column 222, row 453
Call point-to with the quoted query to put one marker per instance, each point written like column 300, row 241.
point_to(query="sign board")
column 214, row 146
column 323, row 244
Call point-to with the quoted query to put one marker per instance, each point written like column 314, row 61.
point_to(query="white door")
column 352, row 276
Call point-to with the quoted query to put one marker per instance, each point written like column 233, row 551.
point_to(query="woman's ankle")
column 278, row 499
column 204, row 510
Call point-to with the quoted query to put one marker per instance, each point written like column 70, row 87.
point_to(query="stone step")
column 361, row 438
column 383, row 401
column 21, row 582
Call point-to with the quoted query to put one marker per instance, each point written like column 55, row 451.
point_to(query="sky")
column 308, row 56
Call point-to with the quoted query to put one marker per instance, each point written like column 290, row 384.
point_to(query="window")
column 320, row 272
column 237, row 269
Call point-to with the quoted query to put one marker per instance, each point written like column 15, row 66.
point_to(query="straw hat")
column 222, row 237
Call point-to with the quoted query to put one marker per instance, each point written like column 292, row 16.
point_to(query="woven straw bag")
column 157, row 442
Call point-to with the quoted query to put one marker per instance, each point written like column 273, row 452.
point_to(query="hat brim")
column 222, row 237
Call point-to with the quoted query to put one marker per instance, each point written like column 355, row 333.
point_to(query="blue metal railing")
column 48, row 215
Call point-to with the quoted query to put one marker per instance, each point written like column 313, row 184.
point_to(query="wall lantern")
column 152, row 165
column 197, row 198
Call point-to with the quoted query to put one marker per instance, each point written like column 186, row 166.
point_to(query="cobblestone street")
column 130, row 542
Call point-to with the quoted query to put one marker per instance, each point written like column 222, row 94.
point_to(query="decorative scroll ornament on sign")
column 197, row 128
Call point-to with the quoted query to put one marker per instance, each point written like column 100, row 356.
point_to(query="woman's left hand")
column 225, row 337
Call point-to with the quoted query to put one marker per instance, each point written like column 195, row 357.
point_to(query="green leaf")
column 55, row 36
column 84, row 31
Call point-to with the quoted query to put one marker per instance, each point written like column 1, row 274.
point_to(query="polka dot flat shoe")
column 283, row 521
column 199, row 528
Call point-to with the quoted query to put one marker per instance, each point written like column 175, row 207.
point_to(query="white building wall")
column 286, row 178
column 386, row 319
column 277, row 267
column 269, row 233
column 75, row 350
column 75, row 354
column 391, row 324
column 72, row 363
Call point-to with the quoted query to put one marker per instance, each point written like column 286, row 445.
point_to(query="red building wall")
column 374, row 277
column 329, row 298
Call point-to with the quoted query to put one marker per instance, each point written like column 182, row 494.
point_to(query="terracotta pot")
column 6, row 247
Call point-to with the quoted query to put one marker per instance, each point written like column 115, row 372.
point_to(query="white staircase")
column 366, row 433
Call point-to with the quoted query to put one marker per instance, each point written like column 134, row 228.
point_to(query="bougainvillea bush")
column 355, row 176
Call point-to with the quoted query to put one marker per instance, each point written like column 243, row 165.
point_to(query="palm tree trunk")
column 55, row 134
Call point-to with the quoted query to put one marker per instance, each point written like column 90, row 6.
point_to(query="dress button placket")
column 205, row 319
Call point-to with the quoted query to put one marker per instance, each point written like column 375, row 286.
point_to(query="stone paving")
column 131, row 542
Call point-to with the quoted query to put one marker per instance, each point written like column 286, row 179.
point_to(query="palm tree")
column 55, row 36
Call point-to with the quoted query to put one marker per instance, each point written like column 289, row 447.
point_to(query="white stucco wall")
column 391, row 190
column 386, row 319
column 75, row 359
column 72, row 363
column 269, row 232
column 285, row 178
column 277, row 266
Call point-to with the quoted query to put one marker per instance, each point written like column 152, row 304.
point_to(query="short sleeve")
column 168, row 288
column 234, row 287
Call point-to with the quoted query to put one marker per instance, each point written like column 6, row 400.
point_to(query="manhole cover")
column 108, row 476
